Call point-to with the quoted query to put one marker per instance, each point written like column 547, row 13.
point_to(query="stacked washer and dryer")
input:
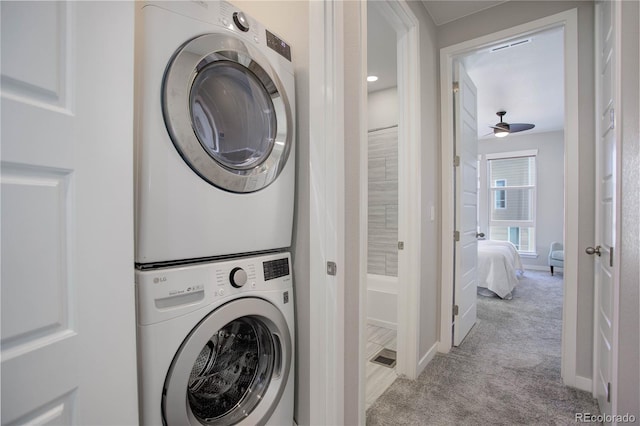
column 215, row 178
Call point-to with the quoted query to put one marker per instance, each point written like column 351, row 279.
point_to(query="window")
column 514, row 236
column 501, row 196
column 514, row 179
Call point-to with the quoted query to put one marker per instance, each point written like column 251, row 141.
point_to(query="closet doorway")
column 393, row 198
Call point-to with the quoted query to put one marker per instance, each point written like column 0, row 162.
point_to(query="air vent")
column 385, row 357
column 511, row 44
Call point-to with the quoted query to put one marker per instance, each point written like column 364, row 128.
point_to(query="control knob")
column 241, row 21
column 238, row 277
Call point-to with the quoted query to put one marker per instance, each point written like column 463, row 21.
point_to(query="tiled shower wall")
column 383, row 202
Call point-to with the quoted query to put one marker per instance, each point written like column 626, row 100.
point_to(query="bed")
column 498, row 266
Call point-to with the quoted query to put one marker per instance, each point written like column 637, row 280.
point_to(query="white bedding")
column 498, row 264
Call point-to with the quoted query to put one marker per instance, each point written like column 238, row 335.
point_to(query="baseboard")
column 536, row 268
column 426, row 359
column 383, row 324
column 584, row 384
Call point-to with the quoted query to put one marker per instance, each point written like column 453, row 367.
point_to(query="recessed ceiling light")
column 372, row 78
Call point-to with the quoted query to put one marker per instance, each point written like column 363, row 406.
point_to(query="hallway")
column 507, row 370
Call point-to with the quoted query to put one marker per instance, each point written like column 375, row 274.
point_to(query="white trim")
column 426, row 359
column 512, row 154
column 568, row 19
column 536, row 268
column 326, row 163
column 584, row 383
column 597, row 45
column 528, row 254
column 363, row 221
column 409, row 192
column 571, row 201
column 384, row 324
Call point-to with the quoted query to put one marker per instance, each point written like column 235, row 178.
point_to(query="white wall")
column 430, row 182
column 514, row 13
column 549, row 181
column 382, row 108
column 289, row 19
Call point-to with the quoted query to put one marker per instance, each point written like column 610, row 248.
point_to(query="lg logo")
column 159, row 280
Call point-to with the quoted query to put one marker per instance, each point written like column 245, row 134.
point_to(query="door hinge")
column 456, row 235
column 612, row 119
column 400, row 245
column 456, row 87
column 455, row 310
column 611, row 257
column 332, row 268
column 609, row 392
column 456, row 161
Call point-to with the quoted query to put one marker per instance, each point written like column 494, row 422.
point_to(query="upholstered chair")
column 556, row 256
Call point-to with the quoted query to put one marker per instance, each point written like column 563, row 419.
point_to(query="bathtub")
column 382, row 301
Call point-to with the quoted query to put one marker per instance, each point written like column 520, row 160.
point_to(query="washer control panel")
column 234, row 19
column 165, row 293
column 275, row 268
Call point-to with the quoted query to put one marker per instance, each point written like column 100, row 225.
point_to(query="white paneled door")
column 606, row 279
column 68, row 309
column 466, row 205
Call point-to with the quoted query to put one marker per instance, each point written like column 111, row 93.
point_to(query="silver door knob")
column 591, row 250
column 479, row 234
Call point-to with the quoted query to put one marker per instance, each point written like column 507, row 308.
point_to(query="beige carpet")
column 506, row 372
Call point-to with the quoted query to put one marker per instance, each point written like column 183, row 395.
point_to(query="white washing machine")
column 214, row 119
column 216, row 343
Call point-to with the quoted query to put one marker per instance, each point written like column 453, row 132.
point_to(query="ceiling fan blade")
column 519, row 127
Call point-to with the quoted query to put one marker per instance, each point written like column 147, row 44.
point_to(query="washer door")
column 232, row 368
column 227, row 113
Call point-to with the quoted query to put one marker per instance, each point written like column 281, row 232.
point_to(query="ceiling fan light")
column 500, row 133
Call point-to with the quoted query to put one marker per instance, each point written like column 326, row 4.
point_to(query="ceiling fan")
column 502, row 129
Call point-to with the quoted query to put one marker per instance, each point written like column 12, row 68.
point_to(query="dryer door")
column 232, row 368
column 227, row 113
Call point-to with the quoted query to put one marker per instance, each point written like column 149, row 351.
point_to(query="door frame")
column 406, row 24
column 569, row 21
column 326, row 212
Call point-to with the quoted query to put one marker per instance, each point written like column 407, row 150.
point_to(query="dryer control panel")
column 166, row 293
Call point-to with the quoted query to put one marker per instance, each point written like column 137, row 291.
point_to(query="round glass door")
column 224, row 98
column 232, row 368
column 232, row 372
column 227, row 113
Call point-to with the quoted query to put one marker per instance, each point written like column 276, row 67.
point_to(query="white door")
column 466, row 201
column 605, row 251
column 68, row 309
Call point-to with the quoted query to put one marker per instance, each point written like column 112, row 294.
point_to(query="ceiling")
column 446, row 11
column 525, row 80
column 381, row 62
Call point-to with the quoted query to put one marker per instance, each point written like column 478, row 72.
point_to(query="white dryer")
column 214, row 118
column 216, row 343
